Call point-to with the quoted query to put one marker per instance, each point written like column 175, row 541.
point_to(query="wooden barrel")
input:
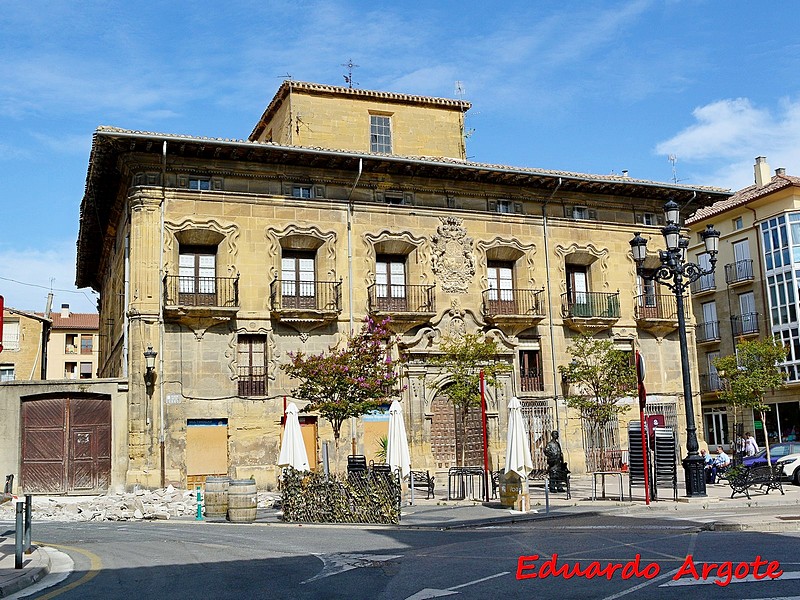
column 216, row 498
column 242, row 501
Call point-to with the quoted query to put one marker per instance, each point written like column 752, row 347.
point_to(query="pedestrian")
column 750, row 445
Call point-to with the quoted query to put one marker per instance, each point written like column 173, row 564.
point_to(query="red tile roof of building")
column 75, row 321
column 743, row 196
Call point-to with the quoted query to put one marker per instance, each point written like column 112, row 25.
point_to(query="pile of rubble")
column 140, row 504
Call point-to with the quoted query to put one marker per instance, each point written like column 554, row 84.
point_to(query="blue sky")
column 586, row 86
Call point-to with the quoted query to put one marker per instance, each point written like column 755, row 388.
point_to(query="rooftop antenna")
column 673, row 158
column 348, row 79
column 286, row 77
column 465, row 133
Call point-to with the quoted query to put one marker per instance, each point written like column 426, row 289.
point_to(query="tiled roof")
column 743, row 196
column 75, row 321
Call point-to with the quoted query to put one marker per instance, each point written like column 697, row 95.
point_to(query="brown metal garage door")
column 66, row 445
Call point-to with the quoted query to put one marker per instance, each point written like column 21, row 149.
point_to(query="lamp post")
column 677, row 274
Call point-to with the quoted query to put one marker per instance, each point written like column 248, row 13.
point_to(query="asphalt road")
column 156, row 560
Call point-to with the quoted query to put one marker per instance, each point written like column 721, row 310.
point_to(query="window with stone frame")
column 252, row 360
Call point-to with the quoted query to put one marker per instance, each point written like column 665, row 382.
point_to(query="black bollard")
column 18, row 537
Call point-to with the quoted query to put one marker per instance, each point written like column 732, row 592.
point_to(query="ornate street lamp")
column 677, row 274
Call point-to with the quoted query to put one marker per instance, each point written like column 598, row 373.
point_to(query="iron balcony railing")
column 658, row 307
column 601, row 305
column 201, row 291
column 708, row 332
column 288, row 294
column 513, row 302
column 531, row 381
column 401, row 298
column 745, row 324
column 252, row 381
column 710, row 382
column 739, row 271
column 706, row 283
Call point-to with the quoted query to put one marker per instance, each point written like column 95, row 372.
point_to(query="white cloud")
column 720, row 147
column 26, row 276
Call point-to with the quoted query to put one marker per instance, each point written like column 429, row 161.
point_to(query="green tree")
column 462, row 360
column 348, row 381
column 750, row 373
column 600, row 375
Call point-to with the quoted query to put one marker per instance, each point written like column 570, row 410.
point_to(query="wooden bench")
column 422, row 480
column 766, row 477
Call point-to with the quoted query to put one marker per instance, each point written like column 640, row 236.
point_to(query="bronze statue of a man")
column 556, row 468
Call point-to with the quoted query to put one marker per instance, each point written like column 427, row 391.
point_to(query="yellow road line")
column 95, row 564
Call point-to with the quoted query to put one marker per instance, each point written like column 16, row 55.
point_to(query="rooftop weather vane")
column 348, row 79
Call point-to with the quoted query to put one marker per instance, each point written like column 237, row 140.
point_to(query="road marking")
column 434, row 593
column 95, row 565
column 339, row 563
column 712, row 579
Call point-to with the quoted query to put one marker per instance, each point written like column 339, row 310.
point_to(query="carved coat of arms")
column 453, row 262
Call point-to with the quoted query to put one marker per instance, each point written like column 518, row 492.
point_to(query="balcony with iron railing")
column 707, row 333
column 710, row 382
column 518, row 309
column 409, row 304
column 252, row 381
column 658, row 312
column 739, row 272
column 705, row 285
column 590, row 311
column 531, row 381
column 200, row 296
column 745, row 324
column 305, row 301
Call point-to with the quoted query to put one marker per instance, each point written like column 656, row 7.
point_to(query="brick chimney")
column 65, row 311
column 762, row 173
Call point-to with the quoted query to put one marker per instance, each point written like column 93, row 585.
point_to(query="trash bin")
column 510, row 488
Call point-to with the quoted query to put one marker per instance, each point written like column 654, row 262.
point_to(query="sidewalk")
column 771, row 512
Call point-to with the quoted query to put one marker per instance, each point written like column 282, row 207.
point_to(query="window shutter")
column 492, row 205
column 638, row 217
column 287, row 189
column 319, row 191
column 592, row 214
column 408, row 198
column 379, row 197
column 451, row 202
column 518, row 208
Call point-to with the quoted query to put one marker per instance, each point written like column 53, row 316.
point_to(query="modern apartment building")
column 215, row 258
column 72, row 347
column 752, row 294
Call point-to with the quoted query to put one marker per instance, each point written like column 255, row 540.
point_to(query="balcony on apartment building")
column 590, row 311
column 407, row 304
column 658, row 312
column 201, row 296
column 517, row 309
column 707, row 333
column 745, row 325
column 297, row 302
column 739, row 272
column 705, row 285
column 710, row 382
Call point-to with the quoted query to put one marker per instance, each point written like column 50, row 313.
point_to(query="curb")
column 27, row 576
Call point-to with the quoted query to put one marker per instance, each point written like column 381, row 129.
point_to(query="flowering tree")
column 349, row 381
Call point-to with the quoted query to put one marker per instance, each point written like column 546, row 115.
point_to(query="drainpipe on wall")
column 350, row 277
column 549, row 299
column 160, row 373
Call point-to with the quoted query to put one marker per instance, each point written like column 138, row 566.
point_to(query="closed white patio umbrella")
column 293, row 450
column 397, row 444
column 518, row 448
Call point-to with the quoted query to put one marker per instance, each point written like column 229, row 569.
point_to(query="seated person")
column 721, row 462
column 708, row 462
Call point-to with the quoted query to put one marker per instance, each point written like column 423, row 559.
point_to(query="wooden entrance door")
column 448, row 436
column 66, row 445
